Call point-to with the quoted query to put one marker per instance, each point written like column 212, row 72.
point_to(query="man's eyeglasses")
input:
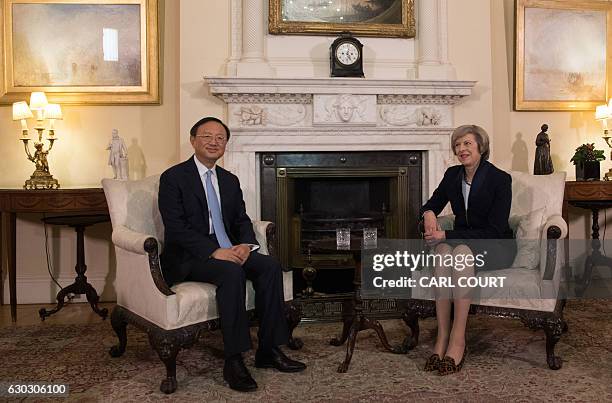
column 208, row 138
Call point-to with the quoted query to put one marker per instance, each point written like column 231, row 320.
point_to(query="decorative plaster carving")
column 265, row 98
column 428, row 51
column 391, row 91
column 286, row 115
column 236, row 37
column 344, row 109
column 405, row 115
column 269, row 115
column 252, row 115
column 443, row 99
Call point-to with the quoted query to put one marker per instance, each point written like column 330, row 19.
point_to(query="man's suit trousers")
column 230, row 278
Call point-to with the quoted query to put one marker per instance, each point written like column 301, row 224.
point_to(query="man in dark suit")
column 209, row 238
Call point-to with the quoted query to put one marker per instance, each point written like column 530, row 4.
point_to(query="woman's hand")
column 434, row 237
column 430, row 222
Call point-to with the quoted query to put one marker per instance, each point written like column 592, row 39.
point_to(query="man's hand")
column 434, row 237
column 243, row 251
column 228, row 254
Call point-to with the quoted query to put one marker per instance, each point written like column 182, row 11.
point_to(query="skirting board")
column 42, row 290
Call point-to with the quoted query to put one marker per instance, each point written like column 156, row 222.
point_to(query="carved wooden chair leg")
column 167, row 347
column 119, row 324
column 293, row 313
column 412, row 321
column 553, row 329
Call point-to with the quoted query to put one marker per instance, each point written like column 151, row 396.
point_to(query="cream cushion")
column 135, row 217
column 526, row 230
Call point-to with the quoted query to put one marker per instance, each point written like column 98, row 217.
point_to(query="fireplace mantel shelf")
column 240, row 85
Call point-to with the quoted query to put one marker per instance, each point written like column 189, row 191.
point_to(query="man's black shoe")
column 237, row 375
column 275, row 358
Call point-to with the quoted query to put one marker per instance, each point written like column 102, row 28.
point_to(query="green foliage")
column 587, row 152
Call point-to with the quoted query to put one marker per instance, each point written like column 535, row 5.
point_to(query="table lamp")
column 41, row 178
column 603, row 113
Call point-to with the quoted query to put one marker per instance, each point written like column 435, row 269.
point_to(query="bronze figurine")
column 543, row 163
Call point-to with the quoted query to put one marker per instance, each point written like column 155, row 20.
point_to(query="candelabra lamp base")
column 41, row 180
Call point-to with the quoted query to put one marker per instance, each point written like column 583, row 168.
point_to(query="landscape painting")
column 384, row 18
column 76, row 44
column 80, row 51
column 562, row 56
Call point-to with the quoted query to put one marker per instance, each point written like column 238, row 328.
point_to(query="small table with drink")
column 355, row 321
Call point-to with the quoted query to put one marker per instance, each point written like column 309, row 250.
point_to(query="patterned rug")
column 506, row 361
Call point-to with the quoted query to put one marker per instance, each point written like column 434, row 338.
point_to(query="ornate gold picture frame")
column 80, row 51
column 381, row 18
column 563, row 54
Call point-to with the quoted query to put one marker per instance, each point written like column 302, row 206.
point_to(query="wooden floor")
column 73, row 313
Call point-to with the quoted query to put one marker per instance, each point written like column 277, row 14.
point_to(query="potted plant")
column 586, row 158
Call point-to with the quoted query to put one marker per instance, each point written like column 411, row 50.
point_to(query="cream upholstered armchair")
column 172, row 317
column 533, row 290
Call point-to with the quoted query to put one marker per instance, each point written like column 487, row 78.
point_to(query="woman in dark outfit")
column 480, row 195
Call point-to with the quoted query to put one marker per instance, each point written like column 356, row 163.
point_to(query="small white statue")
column 118, row 157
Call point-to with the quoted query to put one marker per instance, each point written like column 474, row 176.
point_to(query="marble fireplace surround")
column 336, row 114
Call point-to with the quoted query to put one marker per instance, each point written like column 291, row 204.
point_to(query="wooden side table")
column 80, row 285
column 355, row 320
column 594, row 196
column 58, row 201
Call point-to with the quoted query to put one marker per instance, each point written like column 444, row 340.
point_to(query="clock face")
column 347, row 53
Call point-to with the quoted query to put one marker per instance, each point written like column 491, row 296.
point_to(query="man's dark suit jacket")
column 184, row 211
column 489, row 202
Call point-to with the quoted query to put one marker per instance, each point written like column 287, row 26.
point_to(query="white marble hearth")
column 336, row 114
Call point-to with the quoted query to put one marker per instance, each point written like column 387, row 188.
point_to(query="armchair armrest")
column 446, row 222
column 559, row 222
column 265, row 232
column 142, row 244
column 554, row 229
column 262, row 230
column 130, row 240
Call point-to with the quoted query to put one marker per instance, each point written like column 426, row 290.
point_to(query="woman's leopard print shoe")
column 447, row 365
column 433, row 363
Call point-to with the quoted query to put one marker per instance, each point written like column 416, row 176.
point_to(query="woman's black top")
column 489, row 202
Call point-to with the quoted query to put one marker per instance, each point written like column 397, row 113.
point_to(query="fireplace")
column 292, row 138
column 310, row 194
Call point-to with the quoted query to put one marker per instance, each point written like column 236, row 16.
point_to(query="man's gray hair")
column 482, row 138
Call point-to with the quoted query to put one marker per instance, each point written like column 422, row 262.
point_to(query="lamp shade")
column 38, row 101
column 53, row 111
column 21, row 111
column 602, row 112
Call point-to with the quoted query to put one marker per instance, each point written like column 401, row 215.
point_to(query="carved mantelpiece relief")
column 344, row 109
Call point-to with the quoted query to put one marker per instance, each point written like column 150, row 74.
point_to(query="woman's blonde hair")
column 482, row 138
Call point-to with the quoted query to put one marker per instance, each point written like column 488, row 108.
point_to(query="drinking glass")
column 343, row 238
column 370, row 237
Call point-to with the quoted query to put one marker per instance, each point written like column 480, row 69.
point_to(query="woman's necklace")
column 465, row 176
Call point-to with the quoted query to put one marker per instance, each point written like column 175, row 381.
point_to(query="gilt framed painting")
column 80, row 51
column 562, row 55
column 379, row 18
